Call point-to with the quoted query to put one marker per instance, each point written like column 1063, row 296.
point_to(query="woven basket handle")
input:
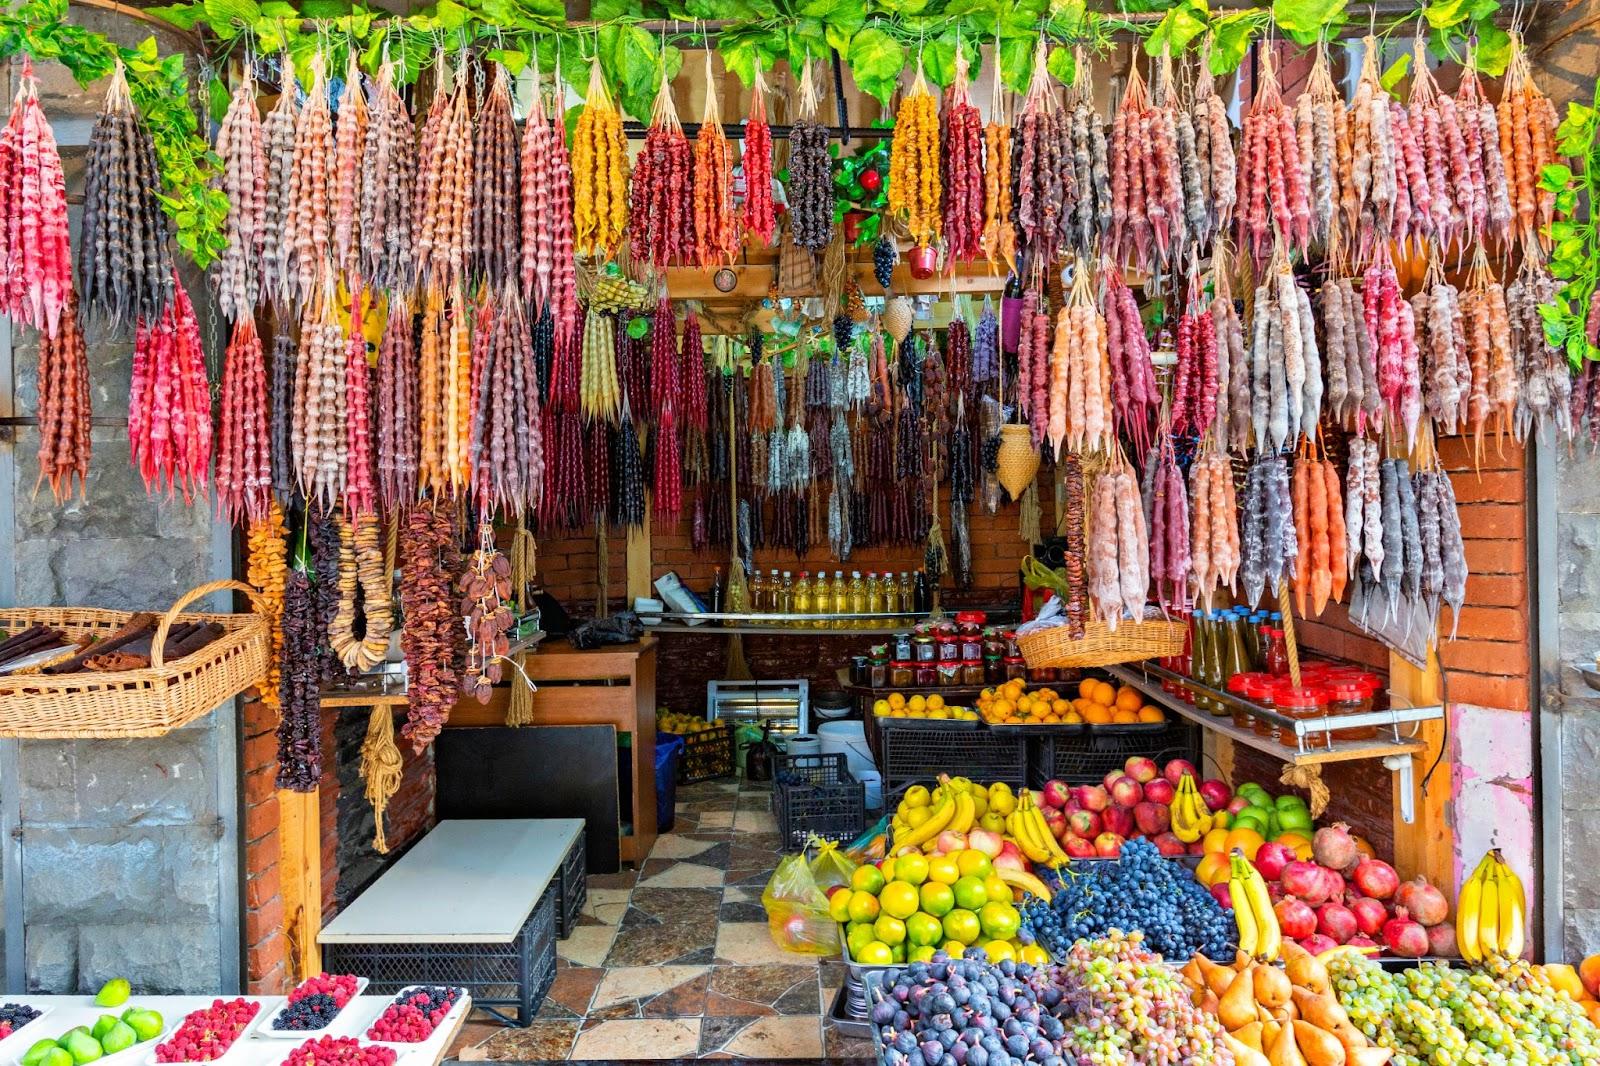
column 197, row 593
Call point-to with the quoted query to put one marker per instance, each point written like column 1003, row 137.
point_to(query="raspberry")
column 206, row 1034
column 340, row 1051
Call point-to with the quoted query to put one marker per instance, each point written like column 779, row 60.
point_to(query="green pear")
column 114, row 993
column 144, row 1022
column 103, row 1025
column 83, row 1047
column 34, row 1055
column 58, row 1056
column 120, row 1038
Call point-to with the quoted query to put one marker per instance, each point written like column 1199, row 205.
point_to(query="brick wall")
column 266, row 949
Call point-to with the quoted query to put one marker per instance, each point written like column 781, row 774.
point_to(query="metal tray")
column 842, row 1018
column 265, row 1030
column 1039, row 729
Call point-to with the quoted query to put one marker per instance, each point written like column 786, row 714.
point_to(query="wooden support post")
column 1426, row 845
column 300, row 878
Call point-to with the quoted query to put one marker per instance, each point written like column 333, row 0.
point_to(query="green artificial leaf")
column 1492, row 53
column 514, row 60
column 279, row 9
column 633, row 60
column 217, row 98
column 227, row 17
column 1555, row 177
column 1303, row 21
column 1230, row 40
column 638, row 326
column 739, row 53
column 819, row 9
column 1177, row 28
column 876, row 60
column 1442, row 14
column 327, row 9
column 570, row 119
column 806, row 42
column 1567, row 201
column 183, row 16
column 1062, row 65
column 1016, row 63
column 939, row 60
column 449, row 15
column 1396, row 73
column 609, row 10
column 902, row 7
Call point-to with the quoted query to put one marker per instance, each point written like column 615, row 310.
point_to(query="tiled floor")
column 674, row 960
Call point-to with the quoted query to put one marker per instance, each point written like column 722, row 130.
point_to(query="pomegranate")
column 1334, row 848
column 1375, row 878
column 1304, row 880
column 1334, row 884
column 1296, row 919
column 1272, row 858
column 1370, row 914
column 1404, row 936
column 1423, row 901
column 1442, row 940
column 1316, row 943
column 1336, row 922
column 1362, row 941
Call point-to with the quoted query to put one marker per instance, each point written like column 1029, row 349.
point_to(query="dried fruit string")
column 33, row 215
column 169, row 400
column 64, row 415
column 266, row 569
column 236, row 275
column 244, row 467
column 309, row 226
column 599, row 172
column 497, row 240
column 279, row 273
column 398, row 429
column 914, row 162
column 662, row 207
column 810, row 187
column 999, row 233
column 349, row 166
column 716, row 222
column 549, row 273
column 963, row 160
column 429, row 557
column 389, row 170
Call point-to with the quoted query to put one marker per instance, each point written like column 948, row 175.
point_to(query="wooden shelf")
column 1145, row 680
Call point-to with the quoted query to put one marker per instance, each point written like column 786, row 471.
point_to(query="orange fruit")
column 1245, row 839
column 1151, row 714
column 1097, row 715
column 1125, row 717
column 1594, row 1013
column 1104, row 694
column 896, row 700
column 1589, row 973
column 1215, row 840
column 1563, row 978
column 1128, row 699
column 1039, row 709
column 1213, row 868
column 1086, row 687
column 1004, row 708
column 1050, row 719
column 1072, row 718
column 1059, row 706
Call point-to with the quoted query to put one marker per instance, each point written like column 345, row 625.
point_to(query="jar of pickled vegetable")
column 994, row 669
column 949, row 672
column 973, row 672
column 1016, row 668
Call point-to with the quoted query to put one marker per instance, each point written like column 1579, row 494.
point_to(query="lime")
column 1294, row 820
column 875, row 954
column 1289, row 801
column 889, row 930
column 923, row 929
column 953, row 948
column 944, row 869
column 912, row 869
column 1000, row 921
column 970, row 893
column 974, row 863
column 922, row 954
column 937, row 899
column 858, row 935
column 898, row 899
column 998, row 950
column 996, row 888
column 962, row 925
column 867, row 879
column 863, row 906
column 839, row 905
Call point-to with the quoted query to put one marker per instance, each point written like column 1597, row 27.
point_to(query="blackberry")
column 307, row 1013
column 14, row 1016
column 885, row 254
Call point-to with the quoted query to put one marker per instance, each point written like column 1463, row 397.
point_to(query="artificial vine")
column 1572, row 322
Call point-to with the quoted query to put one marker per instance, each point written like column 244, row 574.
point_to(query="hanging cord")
column 380, row 768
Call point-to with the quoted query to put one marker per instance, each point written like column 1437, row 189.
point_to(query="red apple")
column 1272, row 858
column 1141, row 769
column 985, row 841
column 1038, row 800
column 1108, row 845
column 1093, row 797
column 1219, row 892
column 1085, row 823
column 1119, row 820
column 1056, row 793
column 1111, row 778
column 1234, row 806
column 1176, row 768
column 1216, row 794
column 1126, row 791
column 1055, row 821
column 1077, row 847
column 1012, row 860
column 949, row 842
column 1160, row 791
column 1151, row 818
column 1170, row 846
column 1198, row 848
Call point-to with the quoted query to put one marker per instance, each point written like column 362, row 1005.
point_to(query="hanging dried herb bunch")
column 124, row 263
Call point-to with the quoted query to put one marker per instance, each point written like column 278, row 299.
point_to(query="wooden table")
column 615, row 686
column 467, row 883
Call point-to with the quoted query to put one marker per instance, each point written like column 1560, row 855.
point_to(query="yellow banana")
column 1488, row 914
column 1243, row 916
column 1025, row 881
column 931, row 828
column 1047, row 838
column 1512, row 917
column 1269, row 939
column 965, row 815
column 1467, row 905
column 1032, row 850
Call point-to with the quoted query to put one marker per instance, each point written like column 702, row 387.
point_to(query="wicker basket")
column 133, row 703
column 1018, row 460
column 1150, row 639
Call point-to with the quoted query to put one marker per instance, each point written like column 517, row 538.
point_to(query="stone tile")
column 685, row 875
column 627, row 983
column 750, row 944
column 667, row 926
column 759, row 821
column 640, row 1039
column 606, row 905
column 742, row 856
column 687, row 1000
column 471, row 1034
column 741, row 912
column 756, row 879
column 573, row 988
column 716, row 1031
column 588, row 945
column 739, row 894
column 779, row 1038
column 716, row 819
column 838, row 1046
column 623, row 878
column 673, row 846
column 663, row 903
column 542, row 1040
column 718, row 803
column 785, row 989
column 771, row 841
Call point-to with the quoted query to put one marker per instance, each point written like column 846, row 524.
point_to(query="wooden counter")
column 615, row 686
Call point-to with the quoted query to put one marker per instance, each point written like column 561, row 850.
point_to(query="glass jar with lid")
column 949, row 641
column 924, row 649
column 950, row 672
column 973, row 672
column 878, row 673
column 1351, row 695
column 927, row 674
column 901, row 673
column 1016, row 668
column 972, row 648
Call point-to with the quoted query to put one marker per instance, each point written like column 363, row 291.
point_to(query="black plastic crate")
column 573, row 888
column 707, row 755
column 814, row 795
column 913, row 755
column 518, row 974
column 1086, row 758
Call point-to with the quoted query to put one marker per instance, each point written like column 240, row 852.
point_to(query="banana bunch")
column 1023, row 880
column 1027, row 827
column 1259, row 935
column 1492, row 913
column 954, row 807
column 1191, row 818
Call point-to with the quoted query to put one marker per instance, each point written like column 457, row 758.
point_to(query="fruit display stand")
column 252, row 1048
column 472, row 904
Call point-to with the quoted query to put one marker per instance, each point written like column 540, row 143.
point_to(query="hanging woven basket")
column 1018, row 459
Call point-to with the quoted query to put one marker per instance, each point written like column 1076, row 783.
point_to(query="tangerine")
column 1086, row 687
column 1104, row 694
column 1245, row 839
column 1128, row 699
column 1125, row 717
column 1151, row 714
column 1097, row 715
column 896, row 701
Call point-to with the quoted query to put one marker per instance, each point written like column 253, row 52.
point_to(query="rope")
column 1309, row 777
column 1028, row 514
column 519, row 708
column 380, row 768
column 1291, row 645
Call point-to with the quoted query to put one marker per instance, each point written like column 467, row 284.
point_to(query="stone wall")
column 128, row 857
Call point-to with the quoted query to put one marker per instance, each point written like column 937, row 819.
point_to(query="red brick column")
column 266, row 949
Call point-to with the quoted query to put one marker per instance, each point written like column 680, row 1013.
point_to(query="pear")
column 114, row 993
column 82, row 1047
column 119, row 1038
column 1237, row 1007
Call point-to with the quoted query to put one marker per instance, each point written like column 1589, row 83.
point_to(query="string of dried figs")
column 429, row 560
column 485, row 586
column 299, row 684
column 362, row 568
column 64, row 414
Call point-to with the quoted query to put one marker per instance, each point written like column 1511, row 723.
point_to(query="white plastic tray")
column 25, row 1035
column 459, row 1007
column 264, row 1028
column 236, row 1050
column 118, row 1058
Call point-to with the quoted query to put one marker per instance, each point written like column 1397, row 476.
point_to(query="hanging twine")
column 380, row 768
column 1304, row 776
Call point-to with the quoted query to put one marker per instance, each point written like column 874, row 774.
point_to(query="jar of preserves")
column 950, row 672
column 993, row 644
column 994, row 669
column 970, row 623
column 973, row 672
column 949, row 641
column 859, row 674
column 902, row 646
column 1257, row 688
column 927, row 674
column 901, row 674
column 878, row 673
column 1016, row 668
column 1300, row 702
column 1351, row 695
column 972, row 648
column 924, row 649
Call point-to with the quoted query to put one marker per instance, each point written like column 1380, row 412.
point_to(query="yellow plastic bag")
column 831, row 867
column 797, row 910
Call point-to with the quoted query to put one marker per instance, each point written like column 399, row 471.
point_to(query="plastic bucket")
column 802, row 744
column 850, row 740
column 874, row 786
column 669, row 752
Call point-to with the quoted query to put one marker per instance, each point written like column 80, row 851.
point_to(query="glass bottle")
column 923, row 593
column 841, row 599
column 858, row 600
column 774, row 589
column 891, row 595
column 1199, row 653
column 785, row 604
column 717, row 595
column 908, row 593
column 821, row 598
column 802, row 597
